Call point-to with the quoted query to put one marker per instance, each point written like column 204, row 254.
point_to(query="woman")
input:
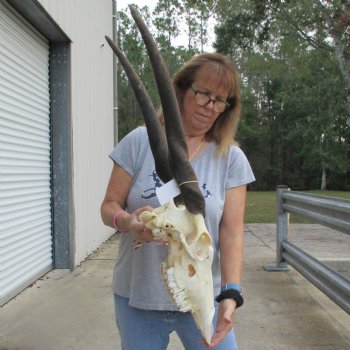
column 208, row 95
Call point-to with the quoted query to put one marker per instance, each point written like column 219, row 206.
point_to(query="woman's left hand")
column 224, row 323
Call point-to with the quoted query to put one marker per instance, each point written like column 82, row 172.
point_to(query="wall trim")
column 37, row 16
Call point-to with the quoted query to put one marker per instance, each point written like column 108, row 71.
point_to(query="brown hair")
column 224, row 129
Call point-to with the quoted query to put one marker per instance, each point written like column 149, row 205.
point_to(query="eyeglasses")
column 202, row 99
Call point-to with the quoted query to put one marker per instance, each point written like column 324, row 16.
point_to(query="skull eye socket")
column 202, row 246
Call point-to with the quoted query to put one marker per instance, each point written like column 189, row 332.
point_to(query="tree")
column 286, row 58
column 130, row 42
column 323, row 24
column 167, row 17
column 197, row 13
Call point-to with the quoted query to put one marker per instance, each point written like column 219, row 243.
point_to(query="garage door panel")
column 25, row 170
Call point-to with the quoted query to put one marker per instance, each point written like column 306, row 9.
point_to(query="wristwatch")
column 233, row 286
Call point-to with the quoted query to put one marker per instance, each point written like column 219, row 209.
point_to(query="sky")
column 122, row 4
column 181, row 40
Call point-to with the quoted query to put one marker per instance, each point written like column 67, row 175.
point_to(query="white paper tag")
column 167, row 192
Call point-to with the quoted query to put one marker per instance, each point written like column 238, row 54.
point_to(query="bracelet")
column 231, row 294
column 115, row 217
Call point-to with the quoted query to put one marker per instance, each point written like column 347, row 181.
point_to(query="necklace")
column 197, row 149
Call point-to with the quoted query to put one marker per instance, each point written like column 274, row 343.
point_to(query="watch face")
column 232, row 286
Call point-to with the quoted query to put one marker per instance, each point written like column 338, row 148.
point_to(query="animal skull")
column 187, row 270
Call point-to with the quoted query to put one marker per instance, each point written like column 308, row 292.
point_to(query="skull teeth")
column 178, row 293
column 179, row 296
column 185, row 308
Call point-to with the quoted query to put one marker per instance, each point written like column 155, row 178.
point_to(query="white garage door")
column 25, row 194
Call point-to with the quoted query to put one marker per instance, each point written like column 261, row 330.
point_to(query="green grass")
column 261, row 206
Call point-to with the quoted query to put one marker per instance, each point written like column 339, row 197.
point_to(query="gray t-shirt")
column 137, row 272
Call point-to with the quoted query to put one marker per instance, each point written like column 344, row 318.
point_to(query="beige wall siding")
column 86, row 22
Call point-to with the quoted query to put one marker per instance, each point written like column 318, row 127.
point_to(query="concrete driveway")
column 67, row 310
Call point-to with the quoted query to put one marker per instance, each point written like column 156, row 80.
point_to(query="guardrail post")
column 282, row 232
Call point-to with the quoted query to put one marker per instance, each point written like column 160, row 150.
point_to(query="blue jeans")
column 149, row 330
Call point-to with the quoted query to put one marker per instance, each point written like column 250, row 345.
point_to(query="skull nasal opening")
column 191, row 270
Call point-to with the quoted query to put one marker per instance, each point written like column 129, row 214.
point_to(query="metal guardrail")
column 328, row 211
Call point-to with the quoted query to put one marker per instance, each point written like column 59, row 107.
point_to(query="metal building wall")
column 86, row 22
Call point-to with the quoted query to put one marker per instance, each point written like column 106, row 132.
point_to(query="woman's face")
column 197, row 120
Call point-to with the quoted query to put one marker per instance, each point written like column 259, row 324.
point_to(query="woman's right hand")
column 132, row 224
